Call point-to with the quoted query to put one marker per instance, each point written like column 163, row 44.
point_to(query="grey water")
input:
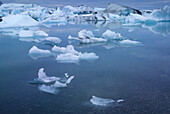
column 138, row 74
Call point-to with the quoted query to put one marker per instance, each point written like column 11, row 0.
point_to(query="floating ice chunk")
column 69, row 79
column 48, row 89
column 66, row 75
column 26, row 33
column 68, row 49
column 101, row 101
column 88, row 56
column 129, row 42
column 54, row 40
column 68, row 58
column 18, row 21
column 40, row 33
column 111, row 35
column 36, row 53
column 119, row 100
column 43, row 78
column 85, row 36
column 121, row 10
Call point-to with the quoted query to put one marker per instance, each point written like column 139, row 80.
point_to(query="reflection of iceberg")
column 36, row 53
column 104, row 102
column 48, row 89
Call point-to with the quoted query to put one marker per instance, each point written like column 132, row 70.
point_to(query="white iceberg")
column 18, row 21
column 111, row 35
column 26, row 33
column 43, row 78
column 68, row 49
column 101, row 101
column 36, row 53
column 85, row 36
column 70, row 55
column 68, row 58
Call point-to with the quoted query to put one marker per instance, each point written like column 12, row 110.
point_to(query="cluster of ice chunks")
column 109, row 38
column 50, row 84
column 63, row 54
column 104, row 101
column 29, row 12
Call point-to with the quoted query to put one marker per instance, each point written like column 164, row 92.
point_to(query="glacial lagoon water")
column 138, row 74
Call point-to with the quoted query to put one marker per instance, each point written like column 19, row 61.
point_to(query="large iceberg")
column 111, row 35
column 18, row 21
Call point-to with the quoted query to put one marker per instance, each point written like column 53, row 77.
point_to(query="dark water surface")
column 138, row 74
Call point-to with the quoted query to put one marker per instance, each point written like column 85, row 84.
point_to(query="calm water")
column 138, row 74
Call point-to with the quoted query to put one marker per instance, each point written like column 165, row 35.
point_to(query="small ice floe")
column 120, row 100
column 70, row 55
column 111, row 35
column 68, row 49
column 40, row 33
column 101, row 101
column 68, row 58
column 129, row 42
column 26, row 33
column 104, row 102
column 85, row 36
column 36, row 53
column 43, row 78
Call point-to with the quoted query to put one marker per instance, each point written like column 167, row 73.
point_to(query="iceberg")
column 17, row 21
column 26, row 33
column 121, row 10
column 70, row 55
column 43, row 78
column 163, row 14
column 68, row 58
column 111, row 35
column 36, row 53
column 101, row 101
column 68, row 49
column 85, row 36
